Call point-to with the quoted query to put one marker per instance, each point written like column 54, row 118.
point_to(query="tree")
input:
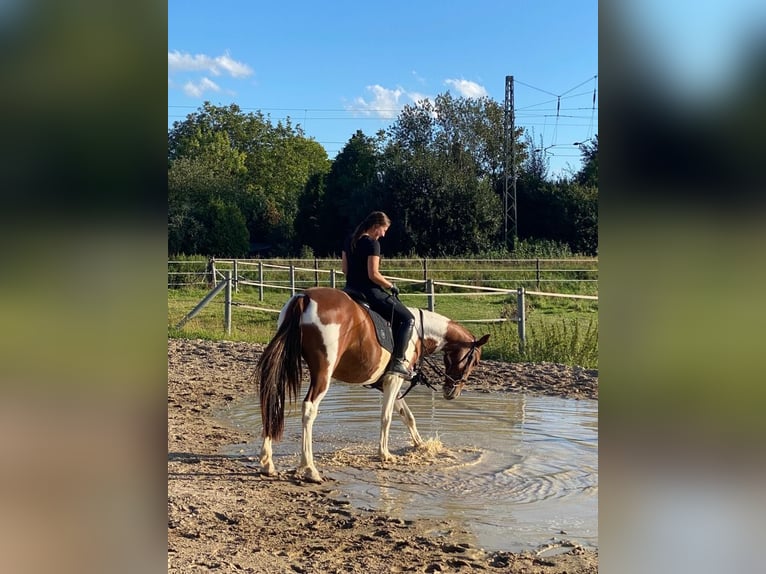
column 193, row 181
column 228, row 235
column 308, row 222
column 588, row 174
column 352, row 189
column 440, row 167
column 222, row 156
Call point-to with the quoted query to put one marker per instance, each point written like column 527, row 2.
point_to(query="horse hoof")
column 312, row 477
column 309, row 475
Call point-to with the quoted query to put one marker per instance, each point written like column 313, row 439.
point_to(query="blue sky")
column 338, row 67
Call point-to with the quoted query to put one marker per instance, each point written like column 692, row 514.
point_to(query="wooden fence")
column 537, row 272
column 230, row 274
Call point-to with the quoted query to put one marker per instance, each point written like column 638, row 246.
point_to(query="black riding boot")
column 398, row 365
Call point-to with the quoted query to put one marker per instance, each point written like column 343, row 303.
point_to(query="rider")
column 361, row 261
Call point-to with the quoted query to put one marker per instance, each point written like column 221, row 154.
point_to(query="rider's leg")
column 402, row 337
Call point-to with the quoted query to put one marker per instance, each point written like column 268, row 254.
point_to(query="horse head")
column 460, row 359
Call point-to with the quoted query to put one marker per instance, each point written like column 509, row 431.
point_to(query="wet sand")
column 223, row 515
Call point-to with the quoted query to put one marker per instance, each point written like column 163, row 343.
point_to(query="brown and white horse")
column 336, row 338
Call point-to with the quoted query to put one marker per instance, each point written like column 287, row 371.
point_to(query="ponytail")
column 373, row 219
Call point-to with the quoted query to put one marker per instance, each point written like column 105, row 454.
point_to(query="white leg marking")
column 306, row 469
column 267, row 464
column 408, row 418
column 391, row 386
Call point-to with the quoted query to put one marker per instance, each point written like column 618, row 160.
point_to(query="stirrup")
column 399, row 369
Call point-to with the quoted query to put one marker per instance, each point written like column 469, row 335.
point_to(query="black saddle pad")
column 382, row 327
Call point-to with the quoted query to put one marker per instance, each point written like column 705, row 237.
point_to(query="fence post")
column 227, row 304
column 537, row 272
column 332, row 278
column 521, row 318
column 260, row 281
column 210, row 272
column 431, row 297
column 425, row 269
column 316, row 272
column 236, row 277
column 292, row 280
column 201, row 305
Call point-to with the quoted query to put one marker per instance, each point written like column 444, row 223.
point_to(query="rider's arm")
column 373, row 271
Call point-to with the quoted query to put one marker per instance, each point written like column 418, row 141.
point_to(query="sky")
column 336, row 67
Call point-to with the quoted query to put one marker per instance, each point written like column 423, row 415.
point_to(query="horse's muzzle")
column 452, row 391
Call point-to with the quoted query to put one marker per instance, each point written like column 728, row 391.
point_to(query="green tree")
column 193, row 181
column 309, row 228
column 440, row 168
column 227, row 235
column 588, row 174
column 352, row 190
column 243, row 160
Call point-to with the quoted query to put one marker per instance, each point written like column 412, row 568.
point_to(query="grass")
column 558, row 330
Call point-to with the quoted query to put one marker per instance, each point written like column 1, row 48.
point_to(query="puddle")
column 518, row 471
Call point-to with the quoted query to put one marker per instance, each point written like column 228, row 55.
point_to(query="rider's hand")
column 394, row 290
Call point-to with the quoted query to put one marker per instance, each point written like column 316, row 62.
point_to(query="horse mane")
column 446, row 331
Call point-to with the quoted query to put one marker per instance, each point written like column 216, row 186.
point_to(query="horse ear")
column 483, row 340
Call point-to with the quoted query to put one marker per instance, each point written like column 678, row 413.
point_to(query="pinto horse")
column 336, row 337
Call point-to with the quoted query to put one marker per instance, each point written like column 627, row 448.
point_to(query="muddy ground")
column 224, row 516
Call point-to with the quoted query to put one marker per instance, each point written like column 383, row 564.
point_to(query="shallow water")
column 518, row 471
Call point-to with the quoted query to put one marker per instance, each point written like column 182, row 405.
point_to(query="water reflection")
column 518, row 471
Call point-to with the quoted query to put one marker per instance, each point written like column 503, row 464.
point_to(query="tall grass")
column 567, row 340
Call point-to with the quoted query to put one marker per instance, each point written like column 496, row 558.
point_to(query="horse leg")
column 406, row 414
column 267, row 464
column 391, row 386
column 306, row 469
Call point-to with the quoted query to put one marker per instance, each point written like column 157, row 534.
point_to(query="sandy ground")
column 224, row 516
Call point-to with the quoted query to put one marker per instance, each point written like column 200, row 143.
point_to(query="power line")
column 563, row 93
column 536, row 110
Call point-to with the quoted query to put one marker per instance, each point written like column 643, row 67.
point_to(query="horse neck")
column 442, row 330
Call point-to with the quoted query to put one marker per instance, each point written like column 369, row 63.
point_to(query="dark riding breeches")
column 391, row 309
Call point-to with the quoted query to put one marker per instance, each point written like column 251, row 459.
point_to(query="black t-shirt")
column 357, row 277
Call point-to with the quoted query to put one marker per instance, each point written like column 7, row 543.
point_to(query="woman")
column 361, row 266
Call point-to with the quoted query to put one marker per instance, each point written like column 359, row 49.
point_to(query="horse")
column 337, row 339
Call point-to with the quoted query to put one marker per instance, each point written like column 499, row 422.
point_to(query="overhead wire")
column 543, row 110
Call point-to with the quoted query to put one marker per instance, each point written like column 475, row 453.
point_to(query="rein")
column 442, row 373
column 420, row 378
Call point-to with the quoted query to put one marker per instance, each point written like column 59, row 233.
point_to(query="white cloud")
column 185, row 62
column 467, row 89
column 385, row 103
column 196, row 90
column 234, row 68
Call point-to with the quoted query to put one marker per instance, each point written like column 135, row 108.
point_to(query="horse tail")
column 280, row 369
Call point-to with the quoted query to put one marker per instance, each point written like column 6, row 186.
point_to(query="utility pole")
column 509, row 166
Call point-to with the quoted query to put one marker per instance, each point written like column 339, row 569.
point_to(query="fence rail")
column 232, row 278
column 500, row 272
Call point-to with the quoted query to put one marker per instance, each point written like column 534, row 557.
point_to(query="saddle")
column 382, row 327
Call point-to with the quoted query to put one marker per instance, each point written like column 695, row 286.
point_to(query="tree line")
column 241, row 185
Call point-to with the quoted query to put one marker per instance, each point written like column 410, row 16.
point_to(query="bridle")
column 443, row 373
column 420, row 378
